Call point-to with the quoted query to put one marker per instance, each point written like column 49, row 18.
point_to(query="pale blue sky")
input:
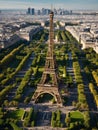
column 67, row 4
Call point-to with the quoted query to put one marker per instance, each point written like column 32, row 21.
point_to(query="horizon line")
column 48, row 8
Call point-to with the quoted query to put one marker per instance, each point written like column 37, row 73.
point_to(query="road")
column 73, row 94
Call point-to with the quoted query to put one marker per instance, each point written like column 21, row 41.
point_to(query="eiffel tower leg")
column 42, row 81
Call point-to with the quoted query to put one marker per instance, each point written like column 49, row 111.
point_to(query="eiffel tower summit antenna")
column 52, row 7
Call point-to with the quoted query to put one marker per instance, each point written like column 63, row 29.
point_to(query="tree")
column 67, row 121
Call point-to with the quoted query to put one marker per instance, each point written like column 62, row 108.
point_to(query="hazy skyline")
column 67, row 4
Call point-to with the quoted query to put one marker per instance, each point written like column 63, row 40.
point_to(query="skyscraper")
column 28, row 12
column 32, row 11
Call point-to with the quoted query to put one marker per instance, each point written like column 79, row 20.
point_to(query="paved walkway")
column 72, row 91
column 44, row 128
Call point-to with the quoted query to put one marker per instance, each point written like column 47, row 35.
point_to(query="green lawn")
column 17, row 114
column 76, row 116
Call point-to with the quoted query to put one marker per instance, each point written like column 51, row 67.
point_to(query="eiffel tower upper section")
column 50, row 65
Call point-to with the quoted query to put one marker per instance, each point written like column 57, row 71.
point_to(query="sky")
column 67, row 4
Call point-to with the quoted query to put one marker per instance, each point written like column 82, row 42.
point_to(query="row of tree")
column 95, row 75
column 8, row 58
column 82, row 98
column 23, row 84
column 5, row 91
column 61, row 36
column 77, row 72
column 2, row 118
column 30, row 118
column 94, row 92
column 56, row 119
column 3, row 82
column 14, row 126
column 6, row 51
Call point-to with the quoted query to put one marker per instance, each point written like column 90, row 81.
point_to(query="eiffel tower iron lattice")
column 50, row 71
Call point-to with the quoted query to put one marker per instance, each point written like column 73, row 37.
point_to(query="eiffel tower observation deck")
column 49, row 82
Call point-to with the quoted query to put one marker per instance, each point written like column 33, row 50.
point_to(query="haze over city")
column 68, row 4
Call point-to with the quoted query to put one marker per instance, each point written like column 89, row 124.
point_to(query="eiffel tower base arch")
column 52, row 91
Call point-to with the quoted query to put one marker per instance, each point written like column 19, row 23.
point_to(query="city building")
column 34, row 31
column 31, row 11
column 8, row 41
column 88, row 35
column 45, row 11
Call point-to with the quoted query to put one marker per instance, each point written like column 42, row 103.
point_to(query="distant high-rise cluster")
column 43, row 11
column 31, row 11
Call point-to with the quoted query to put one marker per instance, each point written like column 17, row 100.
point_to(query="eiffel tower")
column 50, row 71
